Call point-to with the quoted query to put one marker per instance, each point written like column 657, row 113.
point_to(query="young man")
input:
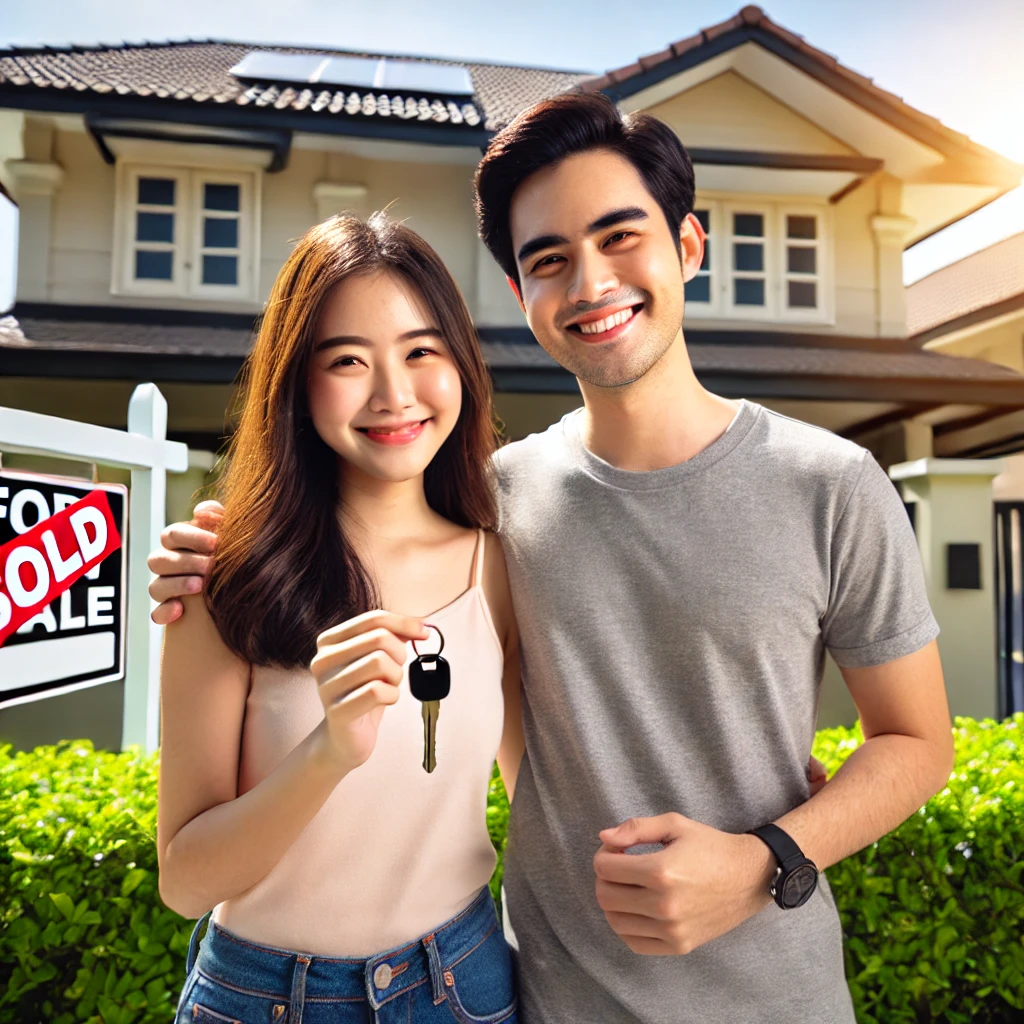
column 679, row 565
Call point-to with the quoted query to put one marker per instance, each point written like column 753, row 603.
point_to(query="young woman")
column 347, row 883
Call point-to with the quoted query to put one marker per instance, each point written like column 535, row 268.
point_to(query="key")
column 430, row 681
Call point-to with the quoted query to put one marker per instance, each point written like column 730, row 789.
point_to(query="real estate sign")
column 62, row 585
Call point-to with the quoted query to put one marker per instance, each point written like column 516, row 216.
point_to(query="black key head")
column 430, row 677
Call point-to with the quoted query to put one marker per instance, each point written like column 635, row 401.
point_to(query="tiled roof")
column 987, row 278
column 770, row 356
column 752, row 17
column 197, row 72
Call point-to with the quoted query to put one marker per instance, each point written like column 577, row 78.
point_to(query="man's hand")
column 817, row 775
column 701, row 885
column 183, row 560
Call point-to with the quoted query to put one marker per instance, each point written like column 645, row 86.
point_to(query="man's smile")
column 604, row 326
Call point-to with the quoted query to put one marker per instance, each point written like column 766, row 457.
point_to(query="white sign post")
column 144, row 450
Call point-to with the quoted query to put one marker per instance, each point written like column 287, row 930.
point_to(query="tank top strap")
column 478, row 559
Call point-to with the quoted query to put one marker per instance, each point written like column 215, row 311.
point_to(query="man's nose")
column 592, row 278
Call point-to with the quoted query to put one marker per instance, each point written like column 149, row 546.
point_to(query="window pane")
column 748, row 224
column 706, row 262
column 220, row 270
column 154, row 227
column 801, row 227
column 221, row 197
column 157, row 191
column 219, row 233
column 748, row 293
column 153, row 266
column 698, row 290
column 803, row 294
column 704, row 216
column 801, row 260
column 747, row 257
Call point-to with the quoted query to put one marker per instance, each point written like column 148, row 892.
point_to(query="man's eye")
column 618, row 236
column 547, row 261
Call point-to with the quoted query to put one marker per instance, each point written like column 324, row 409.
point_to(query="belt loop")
column 434, row 960
column 298, row 997
column 193, row 944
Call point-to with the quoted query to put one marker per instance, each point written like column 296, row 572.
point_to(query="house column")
column 34, row 186
column 953, row 517
column 891, row 229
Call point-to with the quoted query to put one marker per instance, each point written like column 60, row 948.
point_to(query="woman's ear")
column 515, row 291
column 691, row 246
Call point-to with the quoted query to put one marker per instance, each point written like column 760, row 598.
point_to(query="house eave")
column 33, row 99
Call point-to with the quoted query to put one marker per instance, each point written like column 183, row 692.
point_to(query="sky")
column 959, row 62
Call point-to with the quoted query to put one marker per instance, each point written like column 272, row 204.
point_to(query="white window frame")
column 775, row 210
column 186, row 281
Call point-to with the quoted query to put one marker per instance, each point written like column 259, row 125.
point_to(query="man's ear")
column 691, row 246
column 515, row 291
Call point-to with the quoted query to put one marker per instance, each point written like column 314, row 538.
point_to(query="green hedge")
column 933, row 914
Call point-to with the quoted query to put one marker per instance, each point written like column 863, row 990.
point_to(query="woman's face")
column 383, row 390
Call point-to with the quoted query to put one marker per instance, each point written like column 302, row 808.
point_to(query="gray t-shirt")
column 674, row 626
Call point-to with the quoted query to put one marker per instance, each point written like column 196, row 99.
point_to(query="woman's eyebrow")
column 358, row 339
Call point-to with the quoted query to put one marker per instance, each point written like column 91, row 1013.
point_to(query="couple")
column 678, row 565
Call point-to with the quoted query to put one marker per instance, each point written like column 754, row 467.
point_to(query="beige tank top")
column 393, row 852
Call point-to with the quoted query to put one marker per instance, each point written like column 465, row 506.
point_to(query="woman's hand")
column 358, row 668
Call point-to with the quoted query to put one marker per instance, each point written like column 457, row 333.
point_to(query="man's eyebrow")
column 360, row 341
column 536, row 244
column 617, row 217
column 605, row 221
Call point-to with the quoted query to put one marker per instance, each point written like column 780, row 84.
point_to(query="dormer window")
column 762, row 261
column 186, row 233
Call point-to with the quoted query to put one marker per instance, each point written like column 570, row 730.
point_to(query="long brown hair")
column 284, row 570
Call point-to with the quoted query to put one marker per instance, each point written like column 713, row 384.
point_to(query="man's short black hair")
column 557, row 128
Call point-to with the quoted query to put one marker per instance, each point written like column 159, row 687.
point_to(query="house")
column 160, row 186
column 975, row 308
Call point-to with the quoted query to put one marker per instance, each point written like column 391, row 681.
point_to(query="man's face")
column 601, row 277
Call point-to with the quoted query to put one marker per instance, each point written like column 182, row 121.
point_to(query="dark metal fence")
column 1009, row 578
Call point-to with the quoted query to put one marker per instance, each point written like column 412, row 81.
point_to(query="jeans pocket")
column 213, row 1003
column 481, row 987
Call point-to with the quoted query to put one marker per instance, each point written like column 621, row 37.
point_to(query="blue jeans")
column 461, row 972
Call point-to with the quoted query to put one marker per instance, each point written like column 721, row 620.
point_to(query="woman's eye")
column 345, row 361
column 419, row 352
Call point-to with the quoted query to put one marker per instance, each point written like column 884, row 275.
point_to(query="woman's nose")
column 393, row 390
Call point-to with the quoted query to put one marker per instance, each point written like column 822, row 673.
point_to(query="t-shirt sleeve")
column 878, row 607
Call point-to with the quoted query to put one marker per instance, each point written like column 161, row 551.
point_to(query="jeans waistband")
column 286, row 974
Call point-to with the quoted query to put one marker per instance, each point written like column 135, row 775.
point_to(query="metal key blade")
column 431, row 712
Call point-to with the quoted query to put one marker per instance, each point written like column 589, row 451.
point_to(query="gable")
column 728, row 112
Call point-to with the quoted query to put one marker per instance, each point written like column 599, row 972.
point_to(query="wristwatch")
column 796, row 877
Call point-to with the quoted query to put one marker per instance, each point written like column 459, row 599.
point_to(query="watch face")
column 799, row 885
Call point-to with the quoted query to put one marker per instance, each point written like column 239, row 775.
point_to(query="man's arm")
column 705, row 882
column 183, row 561
column 905, row 759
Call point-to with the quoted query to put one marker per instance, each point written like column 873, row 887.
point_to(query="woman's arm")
column 212, row 843
column 499, row 600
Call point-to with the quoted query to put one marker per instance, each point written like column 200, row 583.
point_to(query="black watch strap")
column 787, row 853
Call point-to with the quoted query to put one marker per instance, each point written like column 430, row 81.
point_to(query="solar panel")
column 278, row 67
column 391, row 76
column 360, row 72
column 412, row 76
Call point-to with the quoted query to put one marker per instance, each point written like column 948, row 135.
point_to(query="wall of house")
column 728, row 112
column 74, row 230
column 1002, row 342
